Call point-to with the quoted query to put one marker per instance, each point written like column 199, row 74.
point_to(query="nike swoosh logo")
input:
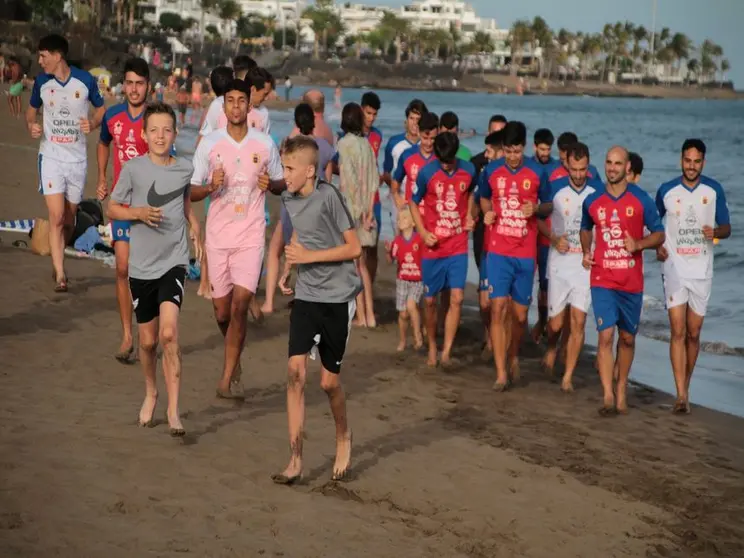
column 155, row 199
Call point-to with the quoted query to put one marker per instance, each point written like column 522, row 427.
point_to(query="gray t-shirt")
column 153, row 251
column 320, row 221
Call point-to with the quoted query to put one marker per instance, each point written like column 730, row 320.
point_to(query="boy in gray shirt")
column 153, row 193
column 324, row 246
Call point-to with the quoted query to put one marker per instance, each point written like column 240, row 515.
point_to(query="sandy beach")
column 442, row 466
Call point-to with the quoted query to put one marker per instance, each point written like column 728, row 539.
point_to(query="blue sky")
column 718, row 20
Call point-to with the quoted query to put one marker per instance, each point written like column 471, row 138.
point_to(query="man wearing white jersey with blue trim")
column 695, row 214
column 64, row 92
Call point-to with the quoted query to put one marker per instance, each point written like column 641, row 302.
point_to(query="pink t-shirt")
column 258, row 118
column 236, row 211
column 215, row 119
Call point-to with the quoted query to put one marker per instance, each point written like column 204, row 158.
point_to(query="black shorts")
column 478, row 238
column 182, row 107
column 149, row 294
column 325, row 324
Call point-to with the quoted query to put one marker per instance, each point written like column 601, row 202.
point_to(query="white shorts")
column 695, row 292
column 562, row 293
column 60, row 177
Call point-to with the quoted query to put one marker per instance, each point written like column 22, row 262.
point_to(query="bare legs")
column 272, row 268
column 365, row 314
column 231, row 312
column 411, row 313
column 684, row 348
column 61, row 221
column 615, row 390
column 124, row 299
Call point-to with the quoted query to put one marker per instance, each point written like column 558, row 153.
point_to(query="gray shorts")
column 405, row 290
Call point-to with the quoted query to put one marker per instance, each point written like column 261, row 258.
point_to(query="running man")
column 215, row 118
column 413, row 160
column 509, row 191
column 568, row 290
column 543, row 147
column 324, row 246
column 260, row 82
column 696, row 214
column 153, row 195
column 122, row 125
column 64, row 92
column 443, row 188
column 613, row 219
column 229, row 164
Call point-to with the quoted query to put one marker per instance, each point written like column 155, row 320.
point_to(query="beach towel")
column 359, row 182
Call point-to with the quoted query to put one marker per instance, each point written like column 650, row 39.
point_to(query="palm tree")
column 396, row 28
column 639, row 35
column 229, row 11
column 521, row 33
column 693, row 67
column 708, row 64
column 589, row 48
column 680, row 48
column 725, row 67
column 207, row 6
column 542, row 36
column 608, row 47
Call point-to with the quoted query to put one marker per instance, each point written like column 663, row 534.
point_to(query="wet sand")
column 442, row 466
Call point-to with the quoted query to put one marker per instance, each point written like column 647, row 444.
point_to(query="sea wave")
column 712, row 347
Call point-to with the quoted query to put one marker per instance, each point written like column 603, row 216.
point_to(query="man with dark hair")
column 371, row 105
column 543, row 146
column 568, row 290
column 695, row 212
column 242, row 64
column 636, row 168
column 227, row 167
column 509, row 190
column 122, row 126
column 65, row 93
column 260, row 81
column 153, row 195
column 214, row 118
column 441, row 211
column 449, row 122
column 413, row 160
column 496, row 123
column 612, row 241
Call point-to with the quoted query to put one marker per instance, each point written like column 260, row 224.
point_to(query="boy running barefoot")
column 324, row 246
column 153, row 193
column 406, row 249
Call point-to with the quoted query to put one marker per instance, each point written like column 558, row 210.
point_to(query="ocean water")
column 653, row 128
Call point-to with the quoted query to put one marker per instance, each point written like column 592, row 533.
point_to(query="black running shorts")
column 325, row 324
column 149, row 294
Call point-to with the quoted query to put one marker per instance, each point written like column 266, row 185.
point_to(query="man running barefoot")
column 509, row 191
column 122, row 126
column 695, row 211
column 228, row 165
column 443, row 189
column 614, row 221
column 153, row 194
column 65, row 93
column 568, row 289
column 324, row 246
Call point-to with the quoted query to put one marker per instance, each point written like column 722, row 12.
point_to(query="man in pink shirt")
column 228, row 167
column 316, row 100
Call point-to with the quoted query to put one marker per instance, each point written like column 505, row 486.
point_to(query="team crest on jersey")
column 601, row 214
column 526, row 184
column 77, row 94
column 415, row 247
column 629, row 211
column 501, row 183
column 117, row 127
column 256, row 159
column 439, row 188
column 705, row 200
column 463, row 186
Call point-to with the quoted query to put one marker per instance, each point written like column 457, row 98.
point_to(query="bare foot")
column 358, row 323
column 418, row 343
column 175, row 424
column 291, row 474
column 401, row 347
column 567, row 385
column 267, row 308
column 431, row 360
column 343, row 457
column 548, row 363
column 537, row 332
column 148, row 409
column 372, row 323
column 126, row 350
column 515, row 372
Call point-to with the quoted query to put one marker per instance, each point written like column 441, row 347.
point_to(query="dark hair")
column 449, row 121
column 543, row 136
column 636, row 163
column 429, row 121
column 258, row 78
column 693, row 143
column 577, row 151
column 446, row 145
column 158, row 108
column 497, row 118
column 352, row 119
column 243, row 63
column 304, row 118
column 220, row 78
column 495, row 139
column 238, row 85
column 137, row 66
column 300, row 143
column 55, row 43
column 371, row 100
column 418, row 106
column 566, row 139
column 515, row 133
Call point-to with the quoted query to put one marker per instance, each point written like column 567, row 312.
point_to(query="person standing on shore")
column 65, row 93
column 153, row 195
column 613, row 220
column 441, row 203
column 371, row 105
column 695, row 212
column 509, row 190
column 228, row 166
column 122, row 126
column 316, row 100
column 324, row 246
column 287, row 88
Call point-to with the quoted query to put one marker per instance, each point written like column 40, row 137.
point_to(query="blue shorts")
column 508, row 276
column 617, row 308
column 443, row 274
column 120, row 230
column 378, row 217
column 483, row 273
column 542, row 267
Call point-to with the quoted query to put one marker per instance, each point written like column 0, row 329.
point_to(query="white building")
column 151, row 10
column 285, row 12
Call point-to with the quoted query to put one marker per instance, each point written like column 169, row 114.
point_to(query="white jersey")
column 258, row 118
column 215, row 117
column 64, row 104
column 568, row 204
column 685, row 212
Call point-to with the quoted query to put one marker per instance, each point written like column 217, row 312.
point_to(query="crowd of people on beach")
column 582, row 231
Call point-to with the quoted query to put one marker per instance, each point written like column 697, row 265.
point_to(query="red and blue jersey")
column 125, row 131
column 614, row 267
column 444, row 197
column 410, row 164
column 407, row 253
column 513, row 235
